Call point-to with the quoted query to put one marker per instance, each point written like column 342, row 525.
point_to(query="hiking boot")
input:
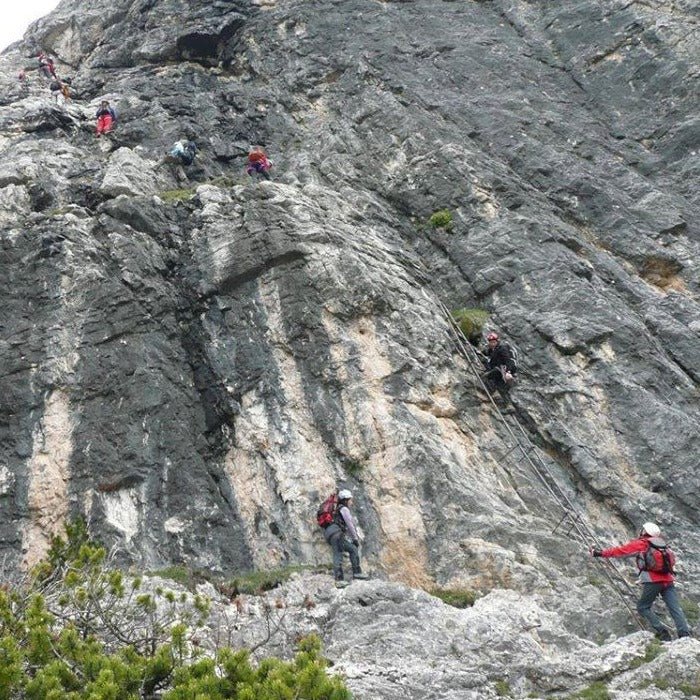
column 664, row 635
column 342, row 584
column 359, row 576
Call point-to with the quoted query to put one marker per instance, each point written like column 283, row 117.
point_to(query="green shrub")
column 456, row 597
column 442, row 219
column 471, row 322
column 79, row 630
column 170, row 196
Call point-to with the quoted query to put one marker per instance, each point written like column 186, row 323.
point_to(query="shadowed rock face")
column 194, row 373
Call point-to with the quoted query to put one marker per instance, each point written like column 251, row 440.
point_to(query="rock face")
column 389, row 641
column 193, row 369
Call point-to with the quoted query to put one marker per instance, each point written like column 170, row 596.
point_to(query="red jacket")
column 638, row 546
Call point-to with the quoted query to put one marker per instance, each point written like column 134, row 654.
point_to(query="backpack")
column 658, row 557
column 190, row 151
column 325, row 515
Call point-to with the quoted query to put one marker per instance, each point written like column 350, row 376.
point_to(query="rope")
column 531, row 454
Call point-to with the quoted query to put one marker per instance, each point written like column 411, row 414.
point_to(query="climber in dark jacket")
column 337, row 534
column 500, row 367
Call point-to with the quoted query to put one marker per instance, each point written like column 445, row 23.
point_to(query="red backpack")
column 658, row 557
column 325, row 515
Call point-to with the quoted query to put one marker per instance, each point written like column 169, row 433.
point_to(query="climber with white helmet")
column 342, row 536
column 655, row 561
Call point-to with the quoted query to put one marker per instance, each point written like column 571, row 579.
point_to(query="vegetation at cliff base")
column 78, row 629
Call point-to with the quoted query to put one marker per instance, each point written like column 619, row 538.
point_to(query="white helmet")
column 651, row 529
column 344, row 495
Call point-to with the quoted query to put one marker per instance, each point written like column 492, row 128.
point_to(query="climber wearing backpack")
column 500, row 366
column 181, row 154
column 655, row 561
column 258, row 162
column 106, row 117
column 338, row 525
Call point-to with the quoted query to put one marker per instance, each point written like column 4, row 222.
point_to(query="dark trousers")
column 493, row 379
column 340, row 544
column 667, row 591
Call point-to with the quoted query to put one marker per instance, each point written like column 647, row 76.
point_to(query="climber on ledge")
column 258, row 162
column 180, row 155
column 46, row 66
column 500, row 366
column 655, row 561
column 337, row 534
column 106, row 117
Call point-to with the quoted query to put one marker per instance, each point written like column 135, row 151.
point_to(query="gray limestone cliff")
column 192, row 371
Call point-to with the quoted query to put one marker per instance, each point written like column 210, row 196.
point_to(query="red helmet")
column 492, row 336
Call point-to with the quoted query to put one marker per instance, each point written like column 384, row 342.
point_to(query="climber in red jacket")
column 258, row 162
column 655, row 562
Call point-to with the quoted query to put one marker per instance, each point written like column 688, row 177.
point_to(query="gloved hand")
column 356, row 543
column 595, row 552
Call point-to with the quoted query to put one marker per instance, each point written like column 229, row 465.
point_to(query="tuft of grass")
column 471, row 322
column 502, row 688
column 223, row 181
column 257, row 582
column 354, row 466
column 456, row 597
column 654, row 648
column 442, row 219
column 691, row 610
column 179, row 574
column 595, row 691
column 170, row 196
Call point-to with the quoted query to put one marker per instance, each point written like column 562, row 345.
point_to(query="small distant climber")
column 106, row 117
column 342, row 536
column 180, row 155
column 500, row 366
column 60, row 90
column 46, row 66
column 66, row 86
column 23, row 80
column 258, row 162
column 655, row 562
